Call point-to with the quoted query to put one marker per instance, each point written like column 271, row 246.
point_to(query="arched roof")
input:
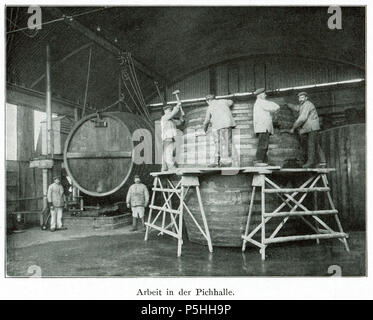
column 173, row 41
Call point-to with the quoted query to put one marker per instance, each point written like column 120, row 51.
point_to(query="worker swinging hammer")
column 169, row 122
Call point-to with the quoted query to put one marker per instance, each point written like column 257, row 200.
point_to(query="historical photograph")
column 185, row 141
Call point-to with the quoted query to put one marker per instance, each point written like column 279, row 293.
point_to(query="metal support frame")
column 103, row 43
column 293, row 198
column 179, row 191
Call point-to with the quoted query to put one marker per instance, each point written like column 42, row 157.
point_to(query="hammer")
column 176, row 93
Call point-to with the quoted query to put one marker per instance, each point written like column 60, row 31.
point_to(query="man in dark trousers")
column 56, row 203
column 137, row 199
column 308, row 125
column 263, row 126
column 220, row 116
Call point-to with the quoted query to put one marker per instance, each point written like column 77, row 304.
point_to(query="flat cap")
column 137, row 176
column 303, row 93
column 167, row 106
column 210, row 97
column 259, row 91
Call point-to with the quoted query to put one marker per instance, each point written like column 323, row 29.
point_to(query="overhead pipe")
column 249, row 94
column 48, row 96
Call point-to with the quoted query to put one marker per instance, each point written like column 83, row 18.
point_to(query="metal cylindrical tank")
column 99, row 151
column 226, row 198
column 199, row 149
column 344, row 149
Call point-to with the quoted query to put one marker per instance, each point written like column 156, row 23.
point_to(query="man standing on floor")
column 263, row 126
column 222, row 122
column 168, row 129
column 56, row 202
column 137, row 200
column 308, row 124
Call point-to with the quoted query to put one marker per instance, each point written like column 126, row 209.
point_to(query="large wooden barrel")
column 226, row 202
column 226, row 198
column 99, row 155
column 344, row 148
column 199, row 149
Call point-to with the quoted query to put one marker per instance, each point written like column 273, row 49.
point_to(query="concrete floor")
column 121, row 253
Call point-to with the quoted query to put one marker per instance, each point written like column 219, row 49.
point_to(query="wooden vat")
column 198, row 150
column 226, row 202
column 226, row 198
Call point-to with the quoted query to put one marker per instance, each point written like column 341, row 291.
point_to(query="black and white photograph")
column 177, row 141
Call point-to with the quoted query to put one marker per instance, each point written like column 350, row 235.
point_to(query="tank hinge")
column 99, row 122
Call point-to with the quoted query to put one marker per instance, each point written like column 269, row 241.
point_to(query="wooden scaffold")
column 316, row 182
column 163, row 185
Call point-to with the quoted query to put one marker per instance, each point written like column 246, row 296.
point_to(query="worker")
column 220, row 116
column 169, row 123
column 263, row 126
column 308, row 125
column 56, row 203
column 137, row 200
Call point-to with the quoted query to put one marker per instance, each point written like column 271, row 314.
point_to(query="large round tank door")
column 98, row 154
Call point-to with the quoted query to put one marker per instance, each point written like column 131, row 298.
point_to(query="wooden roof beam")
column 36, row 100
column 105, row 44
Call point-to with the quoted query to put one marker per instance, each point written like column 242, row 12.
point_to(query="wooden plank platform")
column 227, row 170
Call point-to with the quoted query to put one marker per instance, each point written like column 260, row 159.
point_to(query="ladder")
column 168, row 189
column 293, row 198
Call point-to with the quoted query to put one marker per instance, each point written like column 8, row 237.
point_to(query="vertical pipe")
column 49, row 135
column 45, row 188
column 81, row 201
column 75, row 194
column 76, row 114
column 48, row 96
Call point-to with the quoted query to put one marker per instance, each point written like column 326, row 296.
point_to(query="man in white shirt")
column 263, row 126
column 220, row 116
column 169, row 132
